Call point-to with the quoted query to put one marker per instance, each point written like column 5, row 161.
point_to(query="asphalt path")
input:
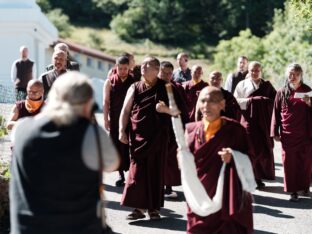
column 273, row 212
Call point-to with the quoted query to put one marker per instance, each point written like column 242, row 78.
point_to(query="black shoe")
column 260, row 184
column 294, row 197
column 120, row 182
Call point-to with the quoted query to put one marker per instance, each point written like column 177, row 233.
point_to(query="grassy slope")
column 112, row 45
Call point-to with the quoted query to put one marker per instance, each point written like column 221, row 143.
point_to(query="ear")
column 222, row 104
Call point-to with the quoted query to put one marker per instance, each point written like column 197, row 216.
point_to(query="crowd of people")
column 59, row 155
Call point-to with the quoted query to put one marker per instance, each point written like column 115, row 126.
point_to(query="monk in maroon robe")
column 292, row 125
column 145, row 106
column 232, row 109
column 210, row 142
column 114, row 93
column 256, row 98
column 29, row 107
column 172, row 172
column 192, row 89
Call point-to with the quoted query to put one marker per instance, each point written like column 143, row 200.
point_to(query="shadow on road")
column 113, row 189
column 271, row 212
column 263, row 232
column 304, row 203
column 116, row 206
column 168, row 223
column 273, row 189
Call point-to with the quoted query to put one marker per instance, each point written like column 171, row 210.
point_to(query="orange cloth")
column 211, row 128
column 32, row 106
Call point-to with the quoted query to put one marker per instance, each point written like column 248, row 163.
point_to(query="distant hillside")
column 108, row 42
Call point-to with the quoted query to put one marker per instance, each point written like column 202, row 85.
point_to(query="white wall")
column 23, row 23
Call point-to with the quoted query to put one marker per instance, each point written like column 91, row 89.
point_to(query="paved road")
column 273, row 213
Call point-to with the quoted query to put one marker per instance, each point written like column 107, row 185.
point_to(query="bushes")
column 288, row 42
column 4, row 193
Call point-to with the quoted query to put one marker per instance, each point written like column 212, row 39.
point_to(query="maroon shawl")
column 232, row 108
column 257, row 121
column 293, row 123
column 236, row 213
column 118, row 93
column 148, row 148
column 192, row 92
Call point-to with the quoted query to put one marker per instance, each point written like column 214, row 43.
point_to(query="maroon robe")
column 192, row 92
column 23, row 112
column 235, row 215
column 232, row 108
column 118, row 93
column 172, row 171
column 149, row 135
column 293, row 123
column 257, row 121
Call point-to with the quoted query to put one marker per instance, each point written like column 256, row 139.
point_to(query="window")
column 77, row 57
column 89, row 62
column 100, row 65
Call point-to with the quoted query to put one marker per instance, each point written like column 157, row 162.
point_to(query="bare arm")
column 125, row 114
column 13, row 118
column 106, row 103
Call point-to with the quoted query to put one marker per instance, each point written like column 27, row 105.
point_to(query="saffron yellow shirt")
column 211, row 128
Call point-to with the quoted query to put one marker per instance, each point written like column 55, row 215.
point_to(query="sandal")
column 136, row 214
column 154, row 214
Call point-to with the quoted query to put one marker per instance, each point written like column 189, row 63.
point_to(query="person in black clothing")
column 59, row 59
column 55, row 177
column 70, row 63
column 234, row 78
column 22, row 71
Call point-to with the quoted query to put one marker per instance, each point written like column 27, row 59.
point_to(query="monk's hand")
column 277, row 138
column 123, row 137
column 225, row 154
column 161, row 107
column 307, row 100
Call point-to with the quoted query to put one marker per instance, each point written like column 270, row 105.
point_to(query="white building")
column 23, row 23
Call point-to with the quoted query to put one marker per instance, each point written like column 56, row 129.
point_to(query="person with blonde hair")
column 55, row 173
column 256, row 97
column 292, row 126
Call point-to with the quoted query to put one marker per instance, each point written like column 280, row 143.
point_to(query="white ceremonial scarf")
column 194, row 191
column 243, row 89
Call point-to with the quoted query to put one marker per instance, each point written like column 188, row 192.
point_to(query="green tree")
column 60, row 21
column 228, row 51
column 290, row 41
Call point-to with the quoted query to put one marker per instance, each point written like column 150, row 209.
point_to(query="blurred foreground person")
column 292, row 125
column 217, row 188
column 55, row 169
column 29, row 107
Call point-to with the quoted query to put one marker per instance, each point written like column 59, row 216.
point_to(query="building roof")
column 86, row 50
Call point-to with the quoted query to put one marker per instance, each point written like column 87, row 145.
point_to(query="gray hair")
column 67, row 97
column 254, row 64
